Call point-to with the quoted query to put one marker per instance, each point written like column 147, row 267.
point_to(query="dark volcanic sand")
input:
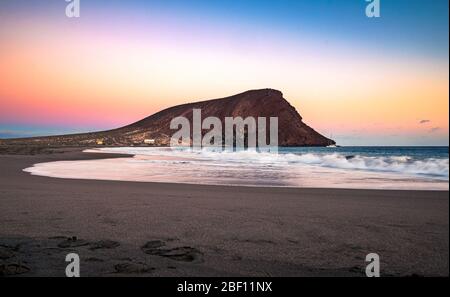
column 151, row 229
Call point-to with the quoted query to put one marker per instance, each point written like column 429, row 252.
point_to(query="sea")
column 353, row 167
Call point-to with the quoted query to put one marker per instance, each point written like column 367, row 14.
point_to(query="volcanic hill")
column 257, row 103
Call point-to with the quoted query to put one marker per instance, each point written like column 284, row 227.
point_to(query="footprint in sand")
column 132, row 268
column 71, row 242
column 6, row 252
column 13, row 269
column 94, row 259
column 104, row 244
column 183, row 253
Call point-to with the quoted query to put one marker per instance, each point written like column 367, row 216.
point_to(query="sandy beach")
column 161, row 229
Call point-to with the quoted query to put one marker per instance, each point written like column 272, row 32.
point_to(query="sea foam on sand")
column 250, row 168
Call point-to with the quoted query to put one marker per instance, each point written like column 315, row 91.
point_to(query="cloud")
column 435, row 129
column 424, row 121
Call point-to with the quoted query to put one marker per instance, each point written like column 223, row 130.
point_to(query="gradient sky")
column 362, row 81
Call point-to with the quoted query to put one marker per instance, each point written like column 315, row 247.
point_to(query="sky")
column 359, row 80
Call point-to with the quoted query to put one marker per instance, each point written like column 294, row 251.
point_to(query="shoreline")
column 213, row 230
column 78, row 154
column 392, row 180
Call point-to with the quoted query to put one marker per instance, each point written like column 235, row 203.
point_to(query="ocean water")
column 424, row 168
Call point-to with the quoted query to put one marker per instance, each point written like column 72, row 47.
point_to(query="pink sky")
column 104, row 73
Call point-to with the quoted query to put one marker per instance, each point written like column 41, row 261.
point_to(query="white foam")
column 430, row 167
column 255, row 169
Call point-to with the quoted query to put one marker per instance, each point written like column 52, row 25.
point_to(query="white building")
column 149, row 141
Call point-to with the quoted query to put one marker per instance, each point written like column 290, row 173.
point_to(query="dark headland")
column 256, row 103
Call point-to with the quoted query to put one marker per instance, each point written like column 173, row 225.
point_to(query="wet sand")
column 161, row 229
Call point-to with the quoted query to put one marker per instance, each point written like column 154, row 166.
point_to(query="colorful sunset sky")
column 362, row 81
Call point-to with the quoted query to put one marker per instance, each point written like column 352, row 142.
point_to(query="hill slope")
column 256, row 103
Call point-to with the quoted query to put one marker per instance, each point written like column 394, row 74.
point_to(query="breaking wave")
column 401, row 164
column 410, row 165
